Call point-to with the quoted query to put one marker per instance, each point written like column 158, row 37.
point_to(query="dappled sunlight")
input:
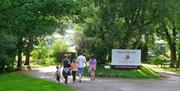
column 47, row 69
column 162, row 70
column 48, row 73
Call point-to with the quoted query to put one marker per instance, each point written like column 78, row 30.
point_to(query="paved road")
column 168, row 82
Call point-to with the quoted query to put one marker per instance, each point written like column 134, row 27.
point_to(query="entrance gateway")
column 126, row 58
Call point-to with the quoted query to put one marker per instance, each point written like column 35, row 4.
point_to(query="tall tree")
column 168, row 24
column 31, row 19
column 119, row 24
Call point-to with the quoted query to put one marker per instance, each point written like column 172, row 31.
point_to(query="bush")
column 40, row 55
column 160, row 60
column 46, row 61
column 7, row 52
column 44, row 56
column 58, row 46
column 41, row 52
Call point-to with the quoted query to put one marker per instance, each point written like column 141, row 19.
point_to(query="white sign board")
column 126, row 57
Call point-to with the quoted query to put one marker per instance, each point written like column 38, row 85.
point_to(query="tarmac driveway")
column 168, row 82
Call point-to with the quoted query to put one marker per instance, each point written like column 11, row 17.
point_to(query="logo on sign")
column 126, row 57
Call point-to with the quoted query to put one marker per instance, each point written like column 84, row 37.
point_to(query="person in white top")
column 81, row 60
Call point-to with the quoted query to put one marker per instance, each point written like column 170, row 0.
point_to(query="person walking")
column 92, row 66
column 58, row 74
column 74, row 69
column 66, row 69
column 81, row 60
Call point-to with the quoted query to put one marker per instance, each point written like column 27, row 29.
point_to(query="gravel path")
column 168, row 82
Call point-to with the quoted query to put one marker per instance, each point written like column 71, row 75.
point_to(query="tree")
column 117, row 24
column 168, row 20
column 30, row 19
column 7, row 54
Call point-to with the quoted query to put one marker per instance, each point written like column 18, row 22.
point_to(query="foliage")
column 104, row 24
column 155, row 50
column 159, row 60
column 130, row 24
column 79, row 39
column 7, row 55
column 40, row 55
column 21, row 82
column 44, row 55
column 58, row 46
column 167, row 25
column 41, row 52
column 30, row 20
column 49, row 61
column 115, row 25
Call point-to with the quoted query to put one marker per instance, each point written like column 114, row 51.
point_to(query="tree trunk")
column 2, row 68
column 178, row 61
column 28, row 48
column 173, row 55
column 27, row 57
column 172, row 47
column 20, row 46
column 144, row 52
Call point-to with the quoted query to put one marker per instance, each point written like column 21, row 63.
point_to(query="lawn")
column 164, row 67
column 144, row 72
column 15, row 81
column 171, row 69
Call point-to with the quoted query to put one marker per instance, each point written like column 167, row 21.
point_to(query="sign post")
column 126, row 58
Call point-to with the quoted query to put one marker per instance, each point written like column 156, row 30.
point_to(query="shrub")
column 7, row 52
column 44, row 56
column 58, row 46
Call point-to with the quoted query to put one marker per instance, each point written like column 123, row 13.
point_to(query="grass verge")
column 164, row 67
column 144, row 73
column 171, row 69
column 15, row 81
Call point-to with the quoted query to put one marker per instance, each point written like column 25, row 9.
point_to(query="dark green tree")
column 30, row 20
column 168, row 24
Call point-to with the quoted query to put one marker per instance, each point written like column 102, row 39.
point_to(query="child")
column 58, row 74
column 74, row 69
column 92, row 65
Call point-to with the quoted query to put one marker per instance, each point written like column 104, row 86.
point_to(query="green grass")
column 171, row 69
column 144, row 72
column 164, row 67
column 15, row 81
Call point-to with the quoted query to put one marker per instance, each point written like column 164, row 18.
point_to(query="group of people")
column 77, row 65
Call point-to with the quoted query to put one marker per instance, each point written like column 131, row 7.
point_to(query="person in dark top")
column 66, row 70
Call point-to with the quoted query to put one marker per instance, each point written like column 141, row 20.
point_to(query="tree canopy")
column 131, row 24
column 30, row 20
column 101, row 25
